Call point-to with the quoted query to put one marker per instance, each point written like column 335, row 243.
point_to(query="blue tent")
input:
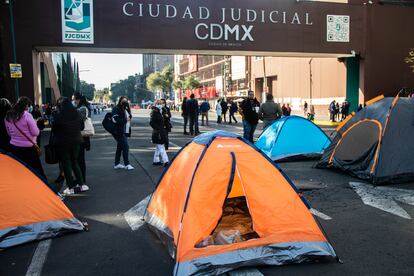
column 291, row 138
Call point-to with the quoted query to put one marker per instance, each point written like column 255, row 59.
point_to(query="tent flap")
column 274, row 254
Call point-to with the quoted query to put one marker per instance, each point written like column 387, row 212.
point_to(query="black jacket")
column 248, row 107
column 159, row 133
column 120, row 119
column 67, row 129
column 224, row 106
column 192, row 107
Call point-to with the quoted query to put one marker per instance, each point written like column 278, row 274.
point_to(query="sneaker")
column 119, row 167
column 84, row 188
column 129, row 168
column 157, row 163
column 165, row 164
column 68, row 191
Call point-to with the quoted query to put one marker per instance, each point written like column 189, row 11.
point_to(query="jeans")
column 160, row 151
column 248, row 130
column 193, row 124
column 81, row 160
column 68, row 156
column 185, row 123
column 122, row 147
column 204, row 115
column 232, row 116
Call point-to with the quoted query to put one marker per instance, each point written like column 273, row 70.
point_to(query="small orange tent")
column 29, row 210
column 187, row 210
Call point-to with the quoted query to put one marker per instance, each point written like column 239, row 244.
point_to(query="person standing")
column 66, row 129
column 23, row 132
column 311, row 114
column 5, row 106
column 84, row 110
column 332, row 107
column 159, row 135
column 337, row 111
column 269, row 111
column 305, row 108
column 218, row 111
column 120, row 119
column 233, row 110
column 249, row 109
column 204, row 109
column 224, row 109
column 192, row 109
column 166, row 114
column 184, row 113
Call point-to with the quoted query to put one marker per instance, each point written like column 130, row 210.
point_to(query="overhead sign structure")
column 77, row 21
column 15, row 71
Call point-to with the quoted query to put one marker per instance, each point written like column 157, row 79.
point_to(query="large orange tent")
column 189, row 206
column 29, row 209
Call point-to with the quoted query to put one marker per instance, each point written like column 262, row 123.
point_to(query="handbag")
column 38, row 149
column 88, row 130
column 51, row 156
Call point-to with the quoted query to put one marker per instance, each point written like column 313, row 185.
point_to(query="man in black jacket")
column 192, row 110
column 184, row 113
column 249, row 109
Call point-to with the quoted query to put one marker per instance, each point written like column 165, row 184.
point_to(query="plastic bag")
column 227, row 237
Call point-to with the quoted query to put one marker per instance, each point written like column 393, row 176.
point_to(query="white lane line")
column 174, row 145
column 39, row 258
column 135, row 216
column 384, row 198
column 320, row 214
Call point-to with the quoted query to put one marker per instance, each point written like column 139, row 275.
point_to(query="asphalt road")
column 368, row 240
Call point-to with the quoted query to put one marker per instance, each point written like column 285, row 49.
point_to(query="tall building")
column 154, row 63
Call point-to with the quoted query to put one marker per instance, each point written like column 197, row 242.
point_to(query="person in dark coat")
column 249, row 109
column 159, row 135
column 120, row 118
column 66, row 129
column 166, row 115
column 184, row 113
column 192, row 109
column 5, row 106
column 224, row 109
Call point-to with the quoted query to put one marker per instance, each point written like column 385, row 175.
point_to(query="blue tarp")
column 293, row 137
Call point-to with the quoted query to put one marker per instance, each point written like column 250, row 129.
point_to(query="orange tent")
column 29, row 210
column 191, row 210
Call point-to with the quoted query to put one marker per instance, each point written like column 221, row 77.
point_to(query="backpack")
column 108, row 124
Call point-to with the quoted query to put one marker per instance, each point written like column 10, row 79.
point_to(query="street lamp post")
column 13, row 39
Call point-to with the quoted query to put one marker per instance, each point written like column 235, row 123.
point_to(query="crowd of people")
column 338, row 112
column 70, row 131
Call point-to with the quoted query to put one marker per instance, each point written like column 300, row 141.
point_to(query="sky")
column 104, row 69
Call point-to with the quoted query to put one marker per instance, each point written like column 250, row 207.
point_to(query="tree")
column 191, row 83
column 87, row 89
column 132, row 87
column 161, row 81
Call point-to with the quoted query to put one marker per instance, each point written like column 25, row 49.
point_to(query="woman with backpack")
column 120, row 117
column 23, row 132
column 66, row 129
column 159, row 135
column 84, row 110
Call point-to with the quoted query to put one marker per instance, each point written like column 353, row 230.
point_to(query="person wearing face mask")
column 23, row 132
column 120, row 118
column 249, row 110
column 159, row 135
column 166, row 114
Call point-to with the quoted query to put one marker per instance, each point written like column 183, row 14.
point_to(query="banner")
column 15, row 71
column 77, row 21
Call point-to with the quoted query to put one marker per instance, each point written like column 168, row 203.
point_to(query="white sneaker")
column 84, row 188
column 68, row 191
column 119, row 167
column 129, row 168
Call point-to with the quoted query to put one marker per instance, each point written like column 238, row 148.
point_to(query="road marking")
column 135, row 216
column 39, row 258
column 320, row 214
column 174, row 145
column 384, row 198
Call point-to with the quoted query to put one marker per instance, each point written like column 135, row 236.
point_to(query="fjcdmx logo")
column 77, row 21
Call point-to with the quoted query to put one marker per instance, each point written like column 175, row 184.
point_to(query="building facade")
column 155, row 63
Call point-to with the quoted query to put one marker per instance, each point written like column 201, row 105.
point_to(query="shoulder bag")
column 38, row 149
